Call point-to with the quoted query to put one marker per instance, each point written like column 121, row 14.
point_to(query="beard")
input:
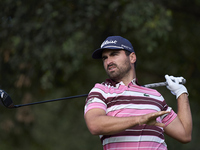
column 120, row 72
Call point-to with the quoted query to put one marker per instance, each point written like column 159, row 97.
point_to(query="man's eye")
column 103, row 58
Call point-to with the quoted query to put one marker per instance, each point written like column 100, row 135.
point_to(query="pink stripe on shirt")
column 135, row 146
column 129, row 112
column 95, row 105
column 122, row 88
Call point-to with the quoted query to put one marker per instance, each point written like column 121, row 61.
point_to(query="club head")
column 5, row 99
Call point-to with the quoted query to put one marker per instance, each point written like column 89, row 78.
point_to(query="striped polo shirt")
column 120, row 100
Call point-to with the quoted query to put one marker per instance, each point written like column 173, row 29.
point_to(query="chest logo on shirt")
column 146, row 95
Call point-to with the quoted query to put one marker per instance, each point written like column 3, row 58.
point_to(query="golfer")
column 127, row 116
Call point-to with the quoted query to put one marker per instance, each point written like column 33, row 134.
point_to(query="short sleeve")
column 168, row 118
column 95, row 99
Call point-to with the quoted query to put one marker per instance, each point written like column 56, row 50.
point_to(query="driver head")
column 5, row 99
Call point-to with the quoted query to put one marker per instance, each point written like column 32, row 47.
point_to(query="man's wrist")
column 183, row 96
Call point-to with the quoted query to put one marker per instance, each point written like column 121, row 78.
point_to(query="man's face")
column 116, row 64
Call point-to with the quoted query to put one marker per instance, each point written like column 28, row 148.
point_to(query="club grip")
column 153, row 85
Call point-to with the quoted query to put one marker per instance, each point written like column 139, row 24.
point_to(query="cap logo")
column 108, row 42
column 127, row 47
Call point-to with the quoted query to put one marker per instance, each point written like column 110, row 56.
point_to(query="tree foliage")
column 45, row 53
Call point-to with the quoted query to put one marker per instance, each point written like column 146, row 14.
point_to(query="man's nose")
column 109, row 60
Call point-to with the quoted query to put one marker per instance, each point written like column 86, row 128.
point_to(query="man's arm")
column 181, row 127
column 100, row 124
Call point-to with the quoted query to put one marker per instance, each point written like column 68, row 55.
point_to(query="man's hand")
column 174, row 86
column 150, row 119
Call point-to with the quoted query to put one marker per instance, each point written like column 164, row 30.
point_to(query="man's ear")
column 132, row 57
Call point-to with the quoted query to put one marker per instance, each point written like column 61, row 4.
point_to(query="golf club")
column 6, row 100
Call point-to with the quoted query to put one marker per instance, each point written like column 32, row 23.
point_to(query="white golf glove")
column 174, row 85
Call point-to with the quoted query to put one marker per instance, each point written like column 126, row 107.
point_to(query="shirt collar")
column 134, row 82
column 114, row 83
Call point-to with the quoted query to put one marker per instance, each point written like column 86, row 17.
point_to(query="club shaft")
column 52, row 100
column 152, row 85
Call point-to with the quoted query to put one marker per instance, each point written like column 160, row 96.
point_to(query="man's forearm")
column 100, row 124
column 184, row 113
column 106, row 125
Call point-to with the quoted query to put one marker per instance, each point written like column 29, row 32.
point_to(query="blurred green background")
column 45, row 53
